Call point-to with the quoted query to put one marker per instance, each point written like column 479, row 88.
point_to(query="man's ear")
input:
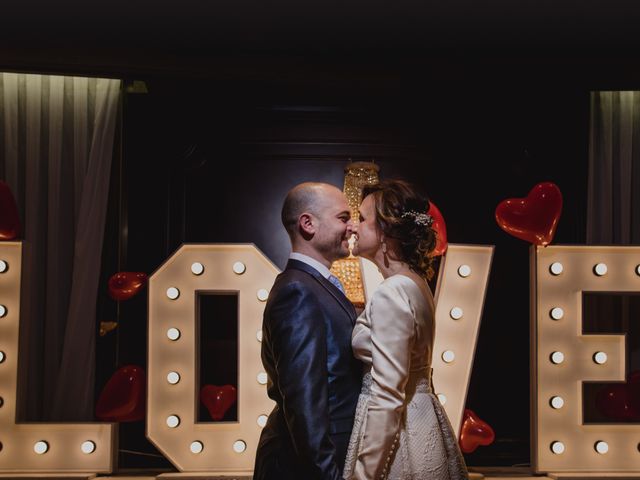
column 307, row 223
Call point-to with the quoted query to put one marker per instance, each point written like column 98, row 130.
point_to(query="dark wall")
column 211, row 160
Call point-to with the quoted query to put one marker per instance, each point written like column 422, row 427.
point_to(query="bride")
column 401, row 432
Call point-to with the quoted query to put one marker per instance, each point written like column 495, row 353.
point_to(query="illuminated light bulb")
column 239, row 446
column 638, row 270
column 262, row 378
column 3, row 266
column 557, row 357
column 41, row 447
column 196, row 447
column 259, row 335
column 556, row 313
column 2, row 357
column 173, row 334
column 173, row 377
column 263, row 294
column 601, row 447
column 262, row 420
column 3, row 311
column 173, row 293
column 557, row 402
column 88, row 447
column 600, row 269
column 448, row 356
column 442, row 398
column 556, row 268
column 557, row 448
column 464, row 271
column 197, row 268
column 239, row 268
column 456, row 313
column 600, row 358
column 173, row 421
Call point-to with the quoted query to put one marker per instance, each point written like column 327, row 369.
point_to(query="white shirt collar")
column 324, row 271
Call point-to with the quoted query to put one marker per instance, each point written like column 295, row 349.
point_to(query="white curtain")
column 613, row 209
column 56, row 146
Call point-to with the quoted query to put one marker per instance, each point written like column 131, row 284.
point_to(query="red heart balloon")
column 218, row 399
column 533, row 218
column 124, row 285
column 474, row 432
column 9, row 219
column 441, row 230
column 123, row 397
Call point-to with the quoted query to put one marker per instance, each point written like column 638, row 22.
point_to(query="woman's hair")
column 401, row 214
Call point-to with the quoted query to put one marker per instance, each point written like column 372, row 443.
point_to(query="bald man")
column 306, row 344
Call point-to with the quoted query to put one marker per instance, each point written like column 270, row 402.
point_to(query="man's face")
column 334, row 225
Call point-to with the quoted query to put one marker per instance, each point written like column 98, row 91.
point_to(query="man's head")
column 317, row 218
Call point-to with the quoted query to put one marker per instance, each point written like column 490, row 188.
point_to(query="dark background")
column 474, row 101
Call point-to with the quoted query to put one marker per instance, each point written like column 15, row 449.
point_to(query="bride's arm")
column 392, row 337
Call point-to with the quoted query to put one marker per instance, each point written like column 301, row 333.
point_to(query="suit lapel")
column 331, row 288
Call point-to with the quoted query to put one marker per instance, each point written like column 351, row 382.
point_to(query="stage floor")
column 476, row 473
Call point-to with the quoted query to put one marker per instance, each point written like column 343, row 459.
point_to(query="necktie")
column 333, row 279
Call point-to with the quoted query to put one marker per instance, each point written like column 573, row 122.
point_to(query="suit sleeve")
column 299, row 346
column 392, row 338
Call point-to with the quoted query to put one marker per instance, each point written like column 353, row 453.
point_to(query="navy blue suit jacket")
column 313, row 377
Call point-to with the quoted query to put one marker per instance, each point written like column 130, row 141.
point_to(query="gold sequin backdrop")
column 356, row 176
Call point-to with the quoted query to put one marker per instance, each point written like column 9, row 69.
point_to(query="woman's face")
column 367, row 236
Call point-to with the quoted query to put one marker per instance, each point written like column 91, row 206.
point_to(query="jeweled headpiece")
column 419, row 218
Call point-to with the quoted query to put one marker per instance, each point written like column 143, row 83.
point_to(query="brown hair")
column 393, row 200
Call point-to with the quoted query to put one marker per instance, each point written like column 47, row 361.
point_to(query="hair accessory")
column 419, row 218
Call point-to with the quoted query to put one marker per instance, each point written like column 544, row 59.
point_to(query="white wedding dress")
column 401, row 432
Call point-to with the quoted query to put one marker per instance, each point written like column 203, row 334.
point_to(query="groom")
column 306, row 345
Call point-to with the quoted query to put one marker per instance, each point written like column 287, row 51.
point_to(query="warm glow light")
column 557, row 402
column 263, row 294
column 41, row 447
column 262, row 420
column 88, row 447
column 584, row 273
column 173, row 421
column 173, row 293
column 601, row 447
column 239, row 446
column 557, row 313
column 557, row 357
column 262, row 378
column 173, row 334
column 197, row 268
column 600, row 269
column 239, row 268
column 60, row 454
column 168, row 361
column 448, row 356
column 456, row 313
column 3, row 266
column 464, row 271
column 557, row 448
column 600, row 358
column 468, row 294
column 556, row 268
